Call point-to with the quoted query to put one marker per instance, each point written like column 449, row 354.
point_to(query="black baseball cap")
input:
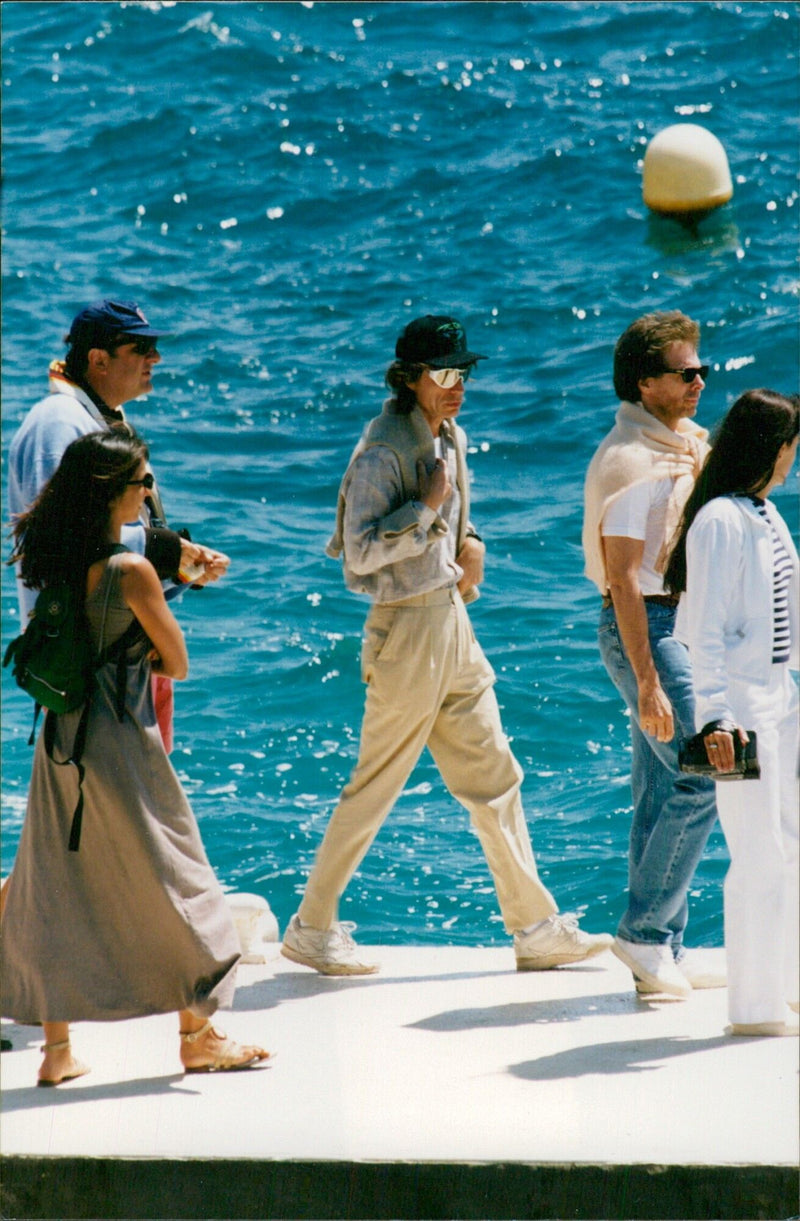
column 435, row 340
column 106, row 319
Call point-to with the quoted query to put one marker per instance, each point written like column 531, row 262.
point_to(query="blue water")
column 283, row 186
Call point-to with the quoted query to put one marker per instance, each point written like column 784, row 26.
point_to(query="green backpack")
column 55, row 662
column 53, row 658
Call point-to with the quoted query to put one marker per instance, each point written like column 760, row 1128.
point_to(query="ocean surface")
column 284, row 186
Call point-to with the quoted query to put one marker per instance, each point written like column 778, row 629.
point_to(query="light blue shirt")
column 36, row 451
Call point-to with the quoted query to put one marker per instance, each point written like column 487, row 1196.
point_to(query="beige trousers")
column 429, row 684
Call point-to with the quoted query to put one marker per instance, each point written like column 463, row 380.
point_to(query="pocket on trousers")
column 608, row 630
column 378, row 630
column 474, row 661
column 611, row 650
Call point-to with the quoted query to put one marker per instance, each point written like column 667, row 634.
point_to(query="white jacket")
column 726, row 614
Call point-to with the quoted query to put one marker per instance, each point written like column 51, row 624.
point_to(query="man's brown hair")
column 640, row 350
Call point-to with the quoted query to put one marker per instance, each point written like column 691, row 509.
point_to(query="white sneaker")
column 557, row 942
column 329, row 951
column 654, row 965
column 695, row 974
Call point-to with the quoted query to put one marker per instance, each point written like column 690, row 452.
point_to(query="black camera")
column 692, row 756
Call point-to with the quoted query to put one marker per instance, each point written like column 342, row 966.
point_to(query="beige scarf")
column 639, row 448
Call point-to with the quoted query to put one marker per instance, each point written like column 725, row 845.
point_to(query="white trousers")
column 760, row 822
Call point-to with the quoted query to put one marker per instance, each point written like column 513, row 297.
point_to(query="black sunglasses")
column 688, row 375
column 147, row 481
column 143, row 346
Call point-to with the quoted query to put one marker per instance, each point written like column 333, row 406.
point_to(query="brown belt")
column 657, row 599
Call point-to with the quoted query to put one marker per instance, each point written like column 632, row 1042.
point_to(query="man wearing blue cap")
column 110, row 358
column 112, row 349
column 404, row 531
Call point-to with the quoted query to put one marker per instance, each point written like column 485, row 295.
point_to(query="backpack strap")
column 37, row 708
column 76, row 755
column 118, row 652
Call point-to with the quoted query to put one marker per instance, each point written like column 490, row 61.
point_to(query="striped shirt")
column 781, row 573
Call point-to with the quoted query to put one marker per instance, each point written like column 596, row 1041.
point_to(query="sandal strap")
column 56, row 1046
column 193, row 1035
column 228, row 1055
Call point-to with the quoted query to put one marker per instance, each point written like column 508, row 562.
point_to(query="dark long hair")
column 65, row 529
column 742, row 459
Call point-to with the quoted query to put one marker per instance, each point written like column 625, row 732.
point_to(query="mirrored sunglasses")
column 447, row 378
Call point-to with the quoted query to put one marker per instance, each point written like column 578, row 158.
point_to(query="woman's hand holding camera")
column 719, row 747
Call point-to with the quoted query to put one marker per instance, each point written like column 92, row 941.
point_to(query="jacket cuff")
column 410, row 516
column 162, row 548
column 426, row 516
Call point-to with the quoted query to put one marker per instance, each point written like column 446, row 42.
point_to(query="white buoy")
column 685, row 171
column 255, row 924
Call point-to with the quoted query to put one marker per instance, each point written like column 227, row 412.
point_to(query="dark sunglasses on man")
column 689, row 374
column 143, row 346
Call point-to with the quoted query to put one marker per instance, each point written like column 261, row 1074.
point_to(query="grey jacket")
column 394, row 546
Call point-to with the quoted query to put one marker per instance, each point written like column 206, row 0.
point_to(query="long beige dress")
column 135, row 921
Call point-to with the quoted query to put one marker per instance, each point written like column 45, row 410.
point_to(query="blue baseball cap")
column 105, row 319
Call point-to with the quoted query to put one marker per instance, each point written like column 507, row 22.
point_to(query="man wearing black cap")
column 110, row 358
column 404, row 531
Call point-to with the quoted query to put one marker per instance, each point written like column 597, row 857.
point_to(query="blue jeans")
column 673, row 813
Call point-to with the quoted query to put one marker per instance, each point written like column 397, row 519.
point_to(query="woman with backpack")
column 736, row 567
column 126, row 918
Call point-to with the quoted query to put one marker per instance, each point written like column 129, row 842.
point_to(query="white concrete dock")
column 449, row 1085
